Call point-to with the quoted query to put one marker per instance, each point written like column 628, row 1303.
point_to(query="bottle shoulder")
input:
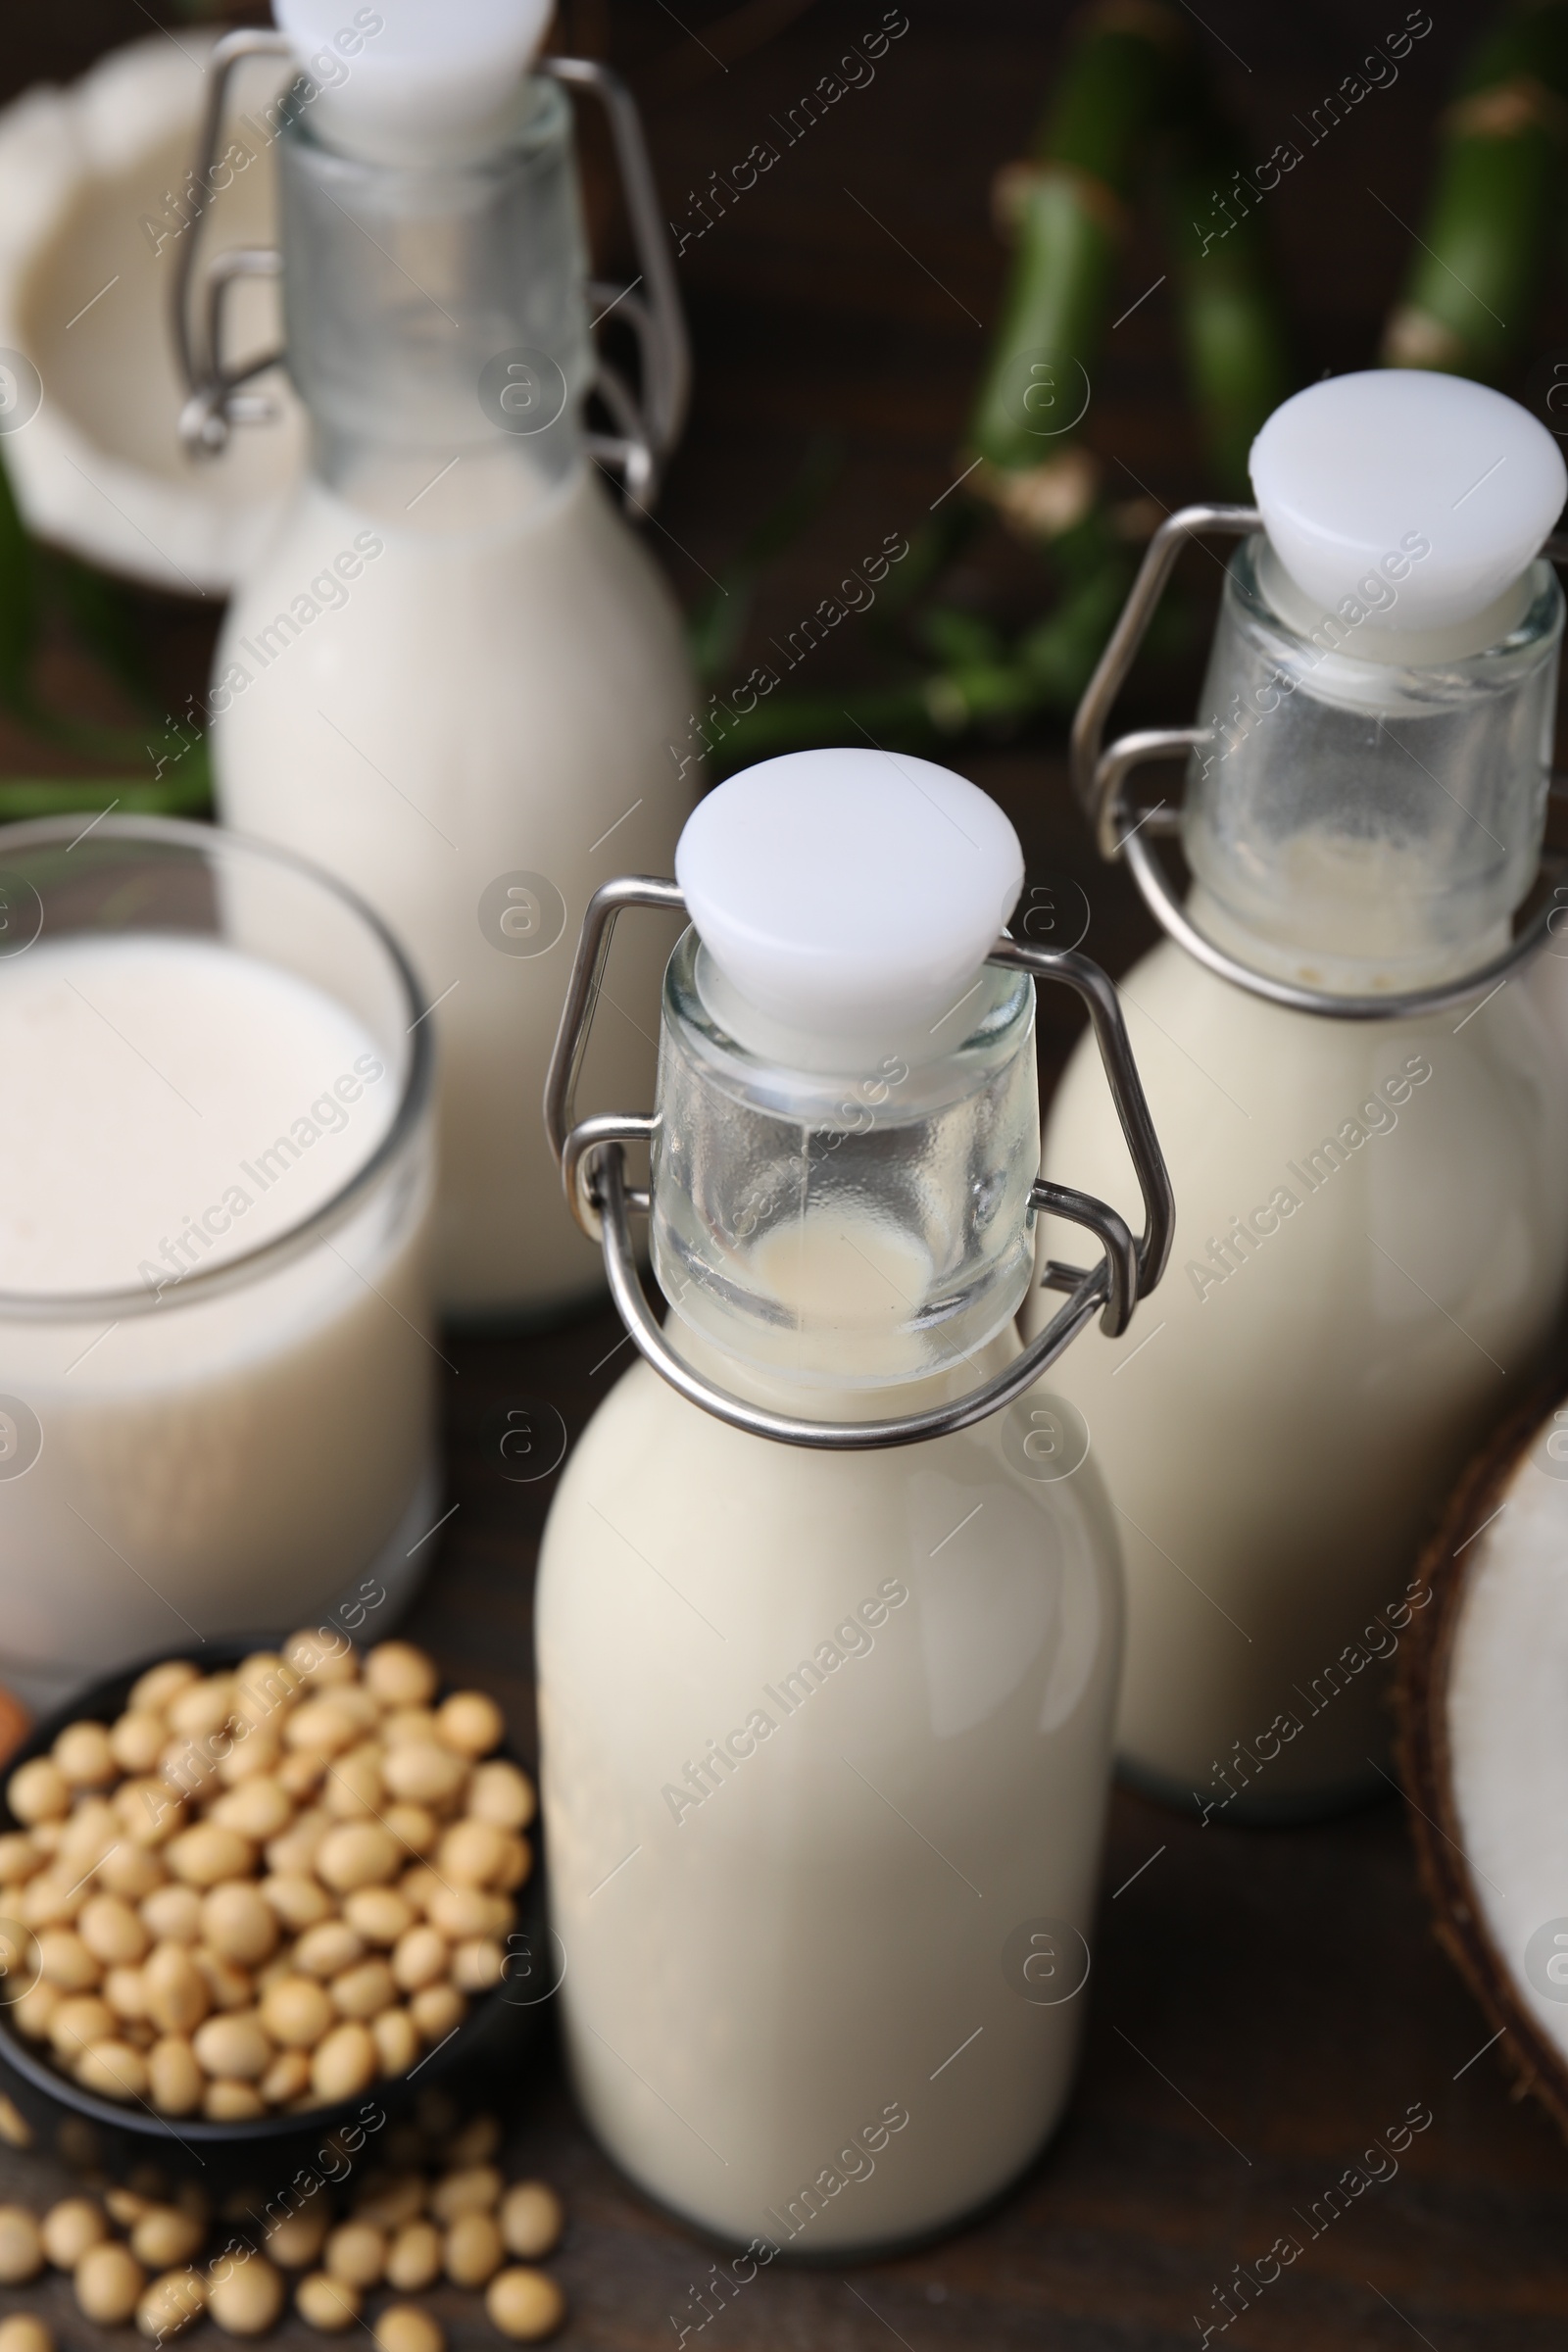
column 562, row 635
column 923, row 1589
column 651, row 1459
column 1226, row 1071
column 565, row 548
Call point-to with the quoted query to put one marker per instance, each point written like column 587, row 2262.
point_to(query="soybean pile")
column 262, row 1888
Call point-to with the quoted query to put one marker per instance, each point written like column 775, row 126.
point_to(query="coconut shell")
column 1426, row 1764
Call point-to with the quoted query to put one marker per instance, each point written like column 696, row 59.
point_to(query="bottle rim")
column 999, row 1016
column 1529, row 639
column 543, row 121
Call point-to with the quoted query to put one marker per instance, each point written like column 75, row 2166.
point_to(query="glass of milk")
column 215, row 1358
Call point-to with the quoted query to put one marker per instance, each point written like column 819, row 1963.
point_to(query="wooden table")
column 1264, row 2007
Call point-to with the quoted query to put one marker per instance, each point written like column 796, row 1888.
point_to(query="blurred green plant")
column 1131, row 107
column 37, row 586
column 1494, row 213
column 1134, row 116
column 1135, row 113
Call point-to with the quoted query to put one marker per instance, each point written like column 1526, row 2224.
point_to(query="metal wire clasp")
column 651, row 303
column 593, row 1165
column 649, row 426
column 215, row 401
column 1100, row 776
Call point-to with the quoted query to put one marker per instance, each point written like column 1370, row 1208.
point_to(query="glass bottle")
column 825, row 1731
column 1372, row 1231
column 455, row 678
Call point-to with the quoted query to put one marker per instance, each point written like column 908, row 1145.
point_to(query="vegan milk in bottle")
column 1371, row 1215
column 825, row 1733
column 455, row 676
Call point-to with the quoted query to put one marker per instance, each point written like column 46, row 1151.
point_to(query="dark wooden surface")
column 1264, row 2007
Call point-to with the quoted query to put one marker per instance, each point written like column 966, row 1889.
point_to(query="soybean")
column 298, row 2239
column 297, row 2012
column 356, row 2253
column 532, row 2219
column 345, row 2062
column 170, row 2304
column 69, row 2228
column 173, row 1914
column 501, row 1793
column 327, row 2303
column 405, row 2327
column 22, row 2249
column 365, row 1990
column 286, row 2080
column 473, row 2251
column 526, row 2304
column 399, row 1675
column 112, row 1931
column 23, row 2333
column 470, row 1722
column 228, row 2099
column 360, row 1853
column 419, row 1958
column 84, row 1756
column 164, row 2237
column 438, row 2011
column 207, row 1852
column 108, row 2281
column 39, row 1790
column 238, row 1923
column 475, row 2189
column 414, row 2261
column 247, row 2299
column 174, row 2080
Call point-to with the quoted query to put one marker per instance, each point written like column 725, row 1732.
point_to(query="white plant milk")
column 466, row 712
column 226, row 1458
column 826, row 1732
column 1371, row 1220
column 825, row 1745
column 1371, row 1242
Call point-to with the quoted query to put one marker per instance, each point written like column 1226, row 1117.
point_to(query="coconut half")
column 90, row 181
column 1483, row 1699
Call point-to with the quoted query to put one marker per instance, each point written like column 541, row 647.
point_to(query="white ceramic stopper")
column 1438, row 487
column 849, row 892
column 421, row 81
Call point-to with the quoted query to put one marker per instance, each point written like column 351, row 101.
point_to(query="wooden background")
column 1263, row 2006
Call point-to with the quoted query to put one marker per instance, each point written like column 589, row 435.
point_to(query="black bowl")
column 55, row 2116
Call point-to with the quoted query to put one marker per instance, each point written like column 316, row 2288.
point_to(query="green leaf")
column 718, row 623
column 185, row 788
column 1060, row 650
column 957, row 637
column 104, row 617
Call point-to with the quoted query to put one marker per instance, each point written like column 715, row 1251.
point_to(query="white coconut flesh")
column 90, row 177
column 1507, row 1706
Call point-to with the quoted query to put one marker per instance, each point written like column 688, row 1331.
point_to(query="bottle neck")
column 778, row 1391
column 844, row 1231
column 1367, row 824
column 436, row 322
